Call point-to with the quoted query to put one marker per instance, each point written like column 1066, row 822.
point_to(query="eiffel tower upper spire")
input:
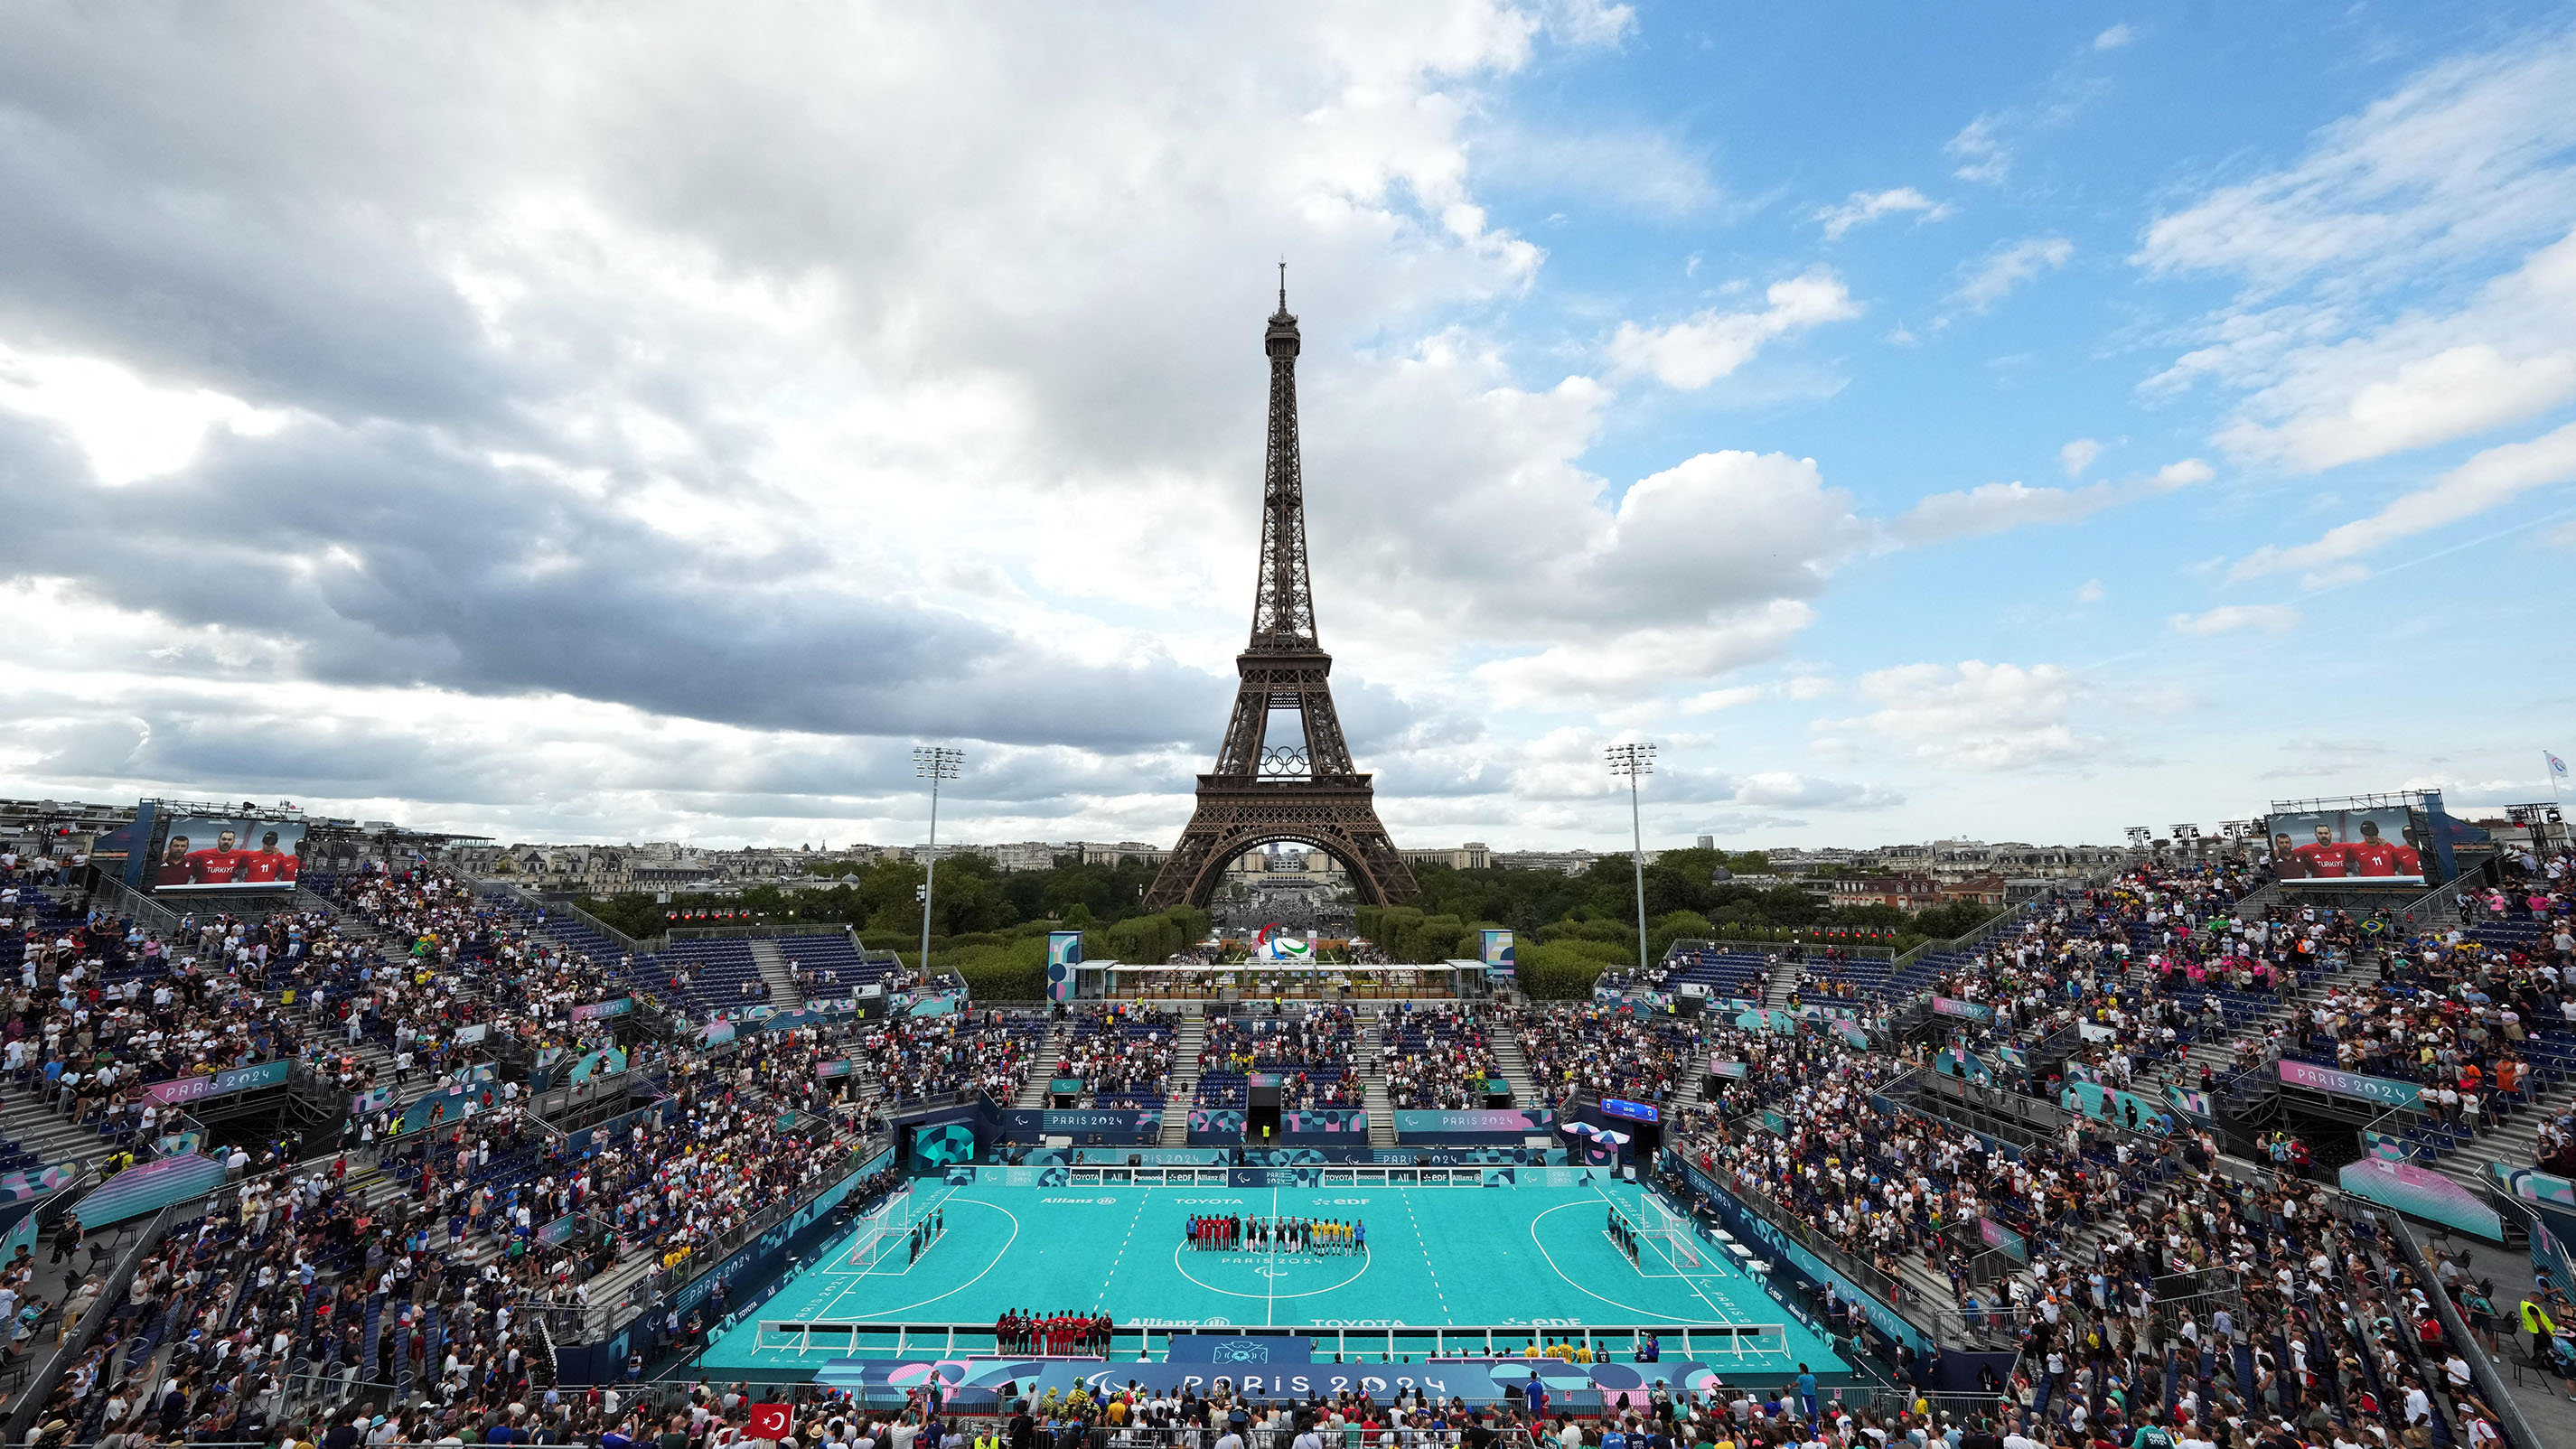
column 1283, row 602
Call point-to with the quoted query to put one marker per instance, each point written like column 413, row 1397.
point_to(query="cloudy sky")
column 630, row 421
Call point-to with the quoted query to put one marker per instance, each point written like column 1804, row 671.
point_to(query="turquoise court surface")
column 1530, row 1258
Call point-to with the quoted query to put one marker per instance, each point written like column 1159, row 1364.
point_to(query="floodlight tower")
column 1633, row 760
column 933, row 763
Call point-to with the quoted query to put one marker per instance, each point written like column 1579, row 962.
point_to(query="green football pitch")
column 1532, row 1258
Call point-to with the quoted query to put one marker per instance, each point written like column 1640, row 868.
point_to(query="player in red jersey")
column 2326, row 859
column 268, row 863
column 2375, row 855
column 220, row 865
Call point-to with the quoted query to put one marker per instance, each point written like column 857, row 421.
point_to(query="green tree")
column 1664, row 930
column 1942, row 923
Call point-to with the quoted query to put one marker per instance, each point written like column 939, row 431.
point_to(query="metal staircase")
column 1033, row 1092
column 1186, row 1045
column 1380, row 1105
column 775, row 970
column 1515, row 1064
column 1786, row 974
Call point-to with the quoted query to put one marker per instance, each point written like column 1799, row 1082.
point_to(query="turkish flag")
column 768, row 1421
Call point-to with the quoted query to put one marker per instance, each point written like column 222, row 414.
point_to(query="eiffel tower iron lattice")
column 1308, row 792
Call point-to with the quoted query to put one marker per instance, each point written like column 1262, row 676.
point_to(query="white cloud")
column 2114, row 38
column 2077, row 456
column 1731, row 697
column 1693, row 354
column 1638, row 170
column 1565, row 765
column 447, row 298
column 1790, row 790
column 2228, row 618
column 2001, row 507
column 1863, row 207
column 1645, row 660
column 2491, row 478
column 2425, row 378
column 2349, row 340
column 2090, row 593
column 2008, row 266
column 2466, row 155
column 1588, row 22
column 1980, row 151
column 1794, row 686
column 129, row 429
column 1969, row 716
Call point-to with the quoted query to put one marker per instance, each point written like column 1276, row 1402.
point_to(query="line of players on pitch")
column 1623, row 1236
column 1324, row 1237
column 927, row 1230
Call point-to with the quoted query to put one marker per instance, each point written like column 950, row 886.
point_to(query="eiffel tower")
column 1307, row 791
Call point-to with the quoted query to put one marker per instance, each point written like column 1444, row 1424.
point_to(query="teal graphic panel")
column 936, row 1147
column 149, row 1188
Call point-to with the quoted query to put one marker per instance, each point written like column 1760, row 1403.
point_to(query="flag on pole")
column 2557, row 766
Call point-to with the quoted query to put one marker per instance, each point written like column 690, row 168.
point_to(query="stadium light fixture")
column 933, row 763
column 1633, row 760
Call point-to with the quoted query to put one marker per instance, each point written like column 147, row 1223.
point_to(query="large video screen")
column 204, row 853
column 2377, row 846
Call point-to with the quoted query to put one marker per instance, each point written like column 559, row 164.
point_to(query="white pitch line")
column 1423, row 1245
column 1568, row 1278
column 1143, row 1196
column 1003, row 1253
column 1723, row 1315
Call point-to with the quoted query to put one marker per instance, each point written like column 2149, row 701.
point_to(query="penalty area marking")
column 888, row 1313
column 1724, row 1316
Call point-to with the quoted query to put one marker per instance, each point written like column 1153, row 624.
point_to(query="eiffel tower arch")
column 1262, row 790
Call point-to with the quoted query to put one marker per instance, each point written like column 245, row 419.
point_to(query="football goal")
column 1669, row 1245
column 883, row 1232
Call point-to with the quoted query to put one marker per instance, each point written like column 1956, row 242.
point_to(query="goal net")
column 884, row 1231
column 1669, row 1244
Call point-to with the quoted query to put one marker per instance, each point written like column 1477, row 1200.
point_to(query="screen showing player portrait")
column 2348, row 847
column 207, row 854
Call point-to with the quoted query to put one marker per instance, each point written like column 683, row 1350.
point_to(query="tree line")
column 987, row 924
column 990, row 925
column 1568, row 929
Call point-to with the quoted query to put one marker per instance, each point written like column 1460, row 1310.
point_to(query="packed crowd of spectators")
column 1608, row 1051
column 1311, row 1048
column 1121, row 1054
column 430, row 1271
column 1436, row 1058
column 2154, row 1279
column 920, row 1058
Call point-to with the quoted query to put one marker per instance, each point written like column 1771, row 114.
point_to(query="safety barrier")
column 1707, row 1343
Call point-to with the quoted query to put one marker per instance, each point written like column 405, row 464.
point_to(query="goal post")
column 882, row 1231
column 1669, row 1236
